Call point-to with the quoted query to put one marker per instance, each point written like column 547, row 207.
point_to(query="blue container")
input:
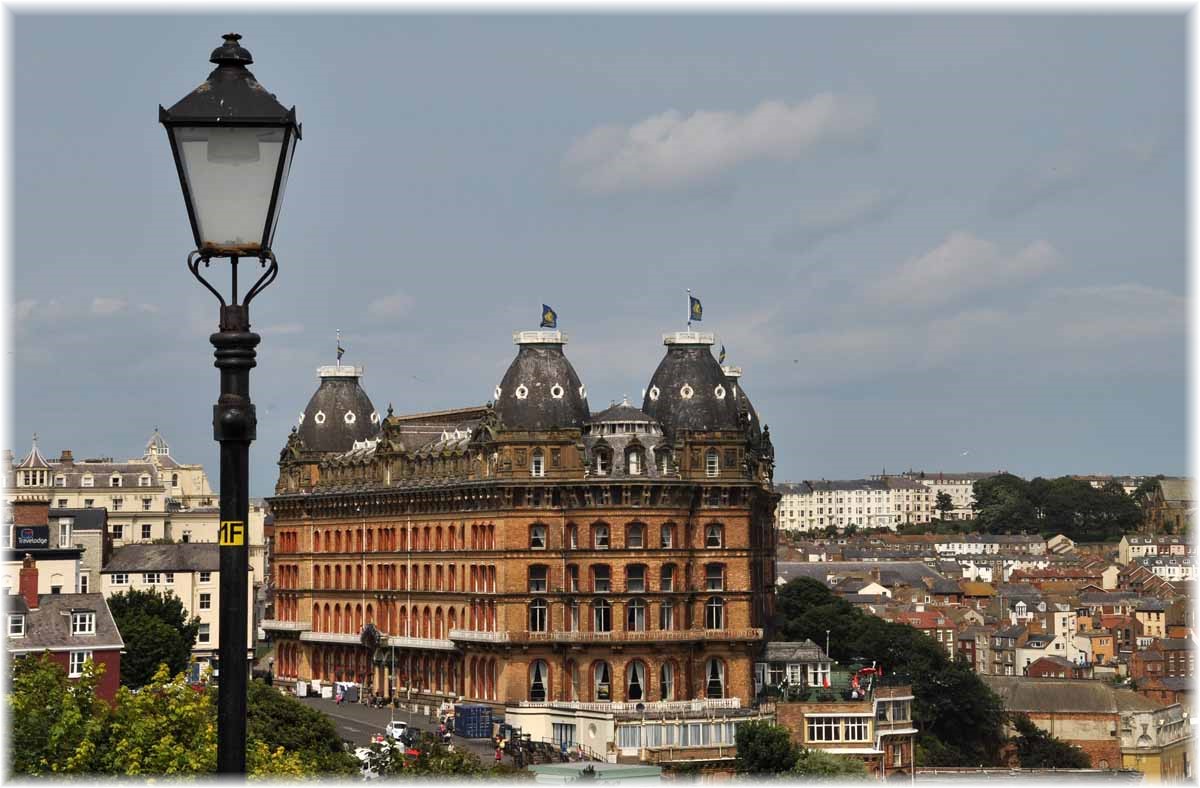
column 473, row 721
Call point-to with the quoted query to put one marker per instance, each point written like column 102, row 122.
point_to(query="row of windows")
column 394, row 577
column 636, row 578
column 156, row 578
column 635, row 615
column 399, row 621
column 637, row 684
column 636, row 536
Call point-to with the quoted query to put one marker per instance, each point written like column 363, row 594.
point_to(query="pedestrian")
column 337, row 699
column 497, row 755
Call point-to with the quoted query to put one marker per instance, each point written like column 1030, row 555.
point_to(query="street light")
column 232, row 143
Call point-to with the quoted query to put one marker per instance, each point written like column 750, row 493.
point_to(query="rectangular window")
column 117, row 504
column 667, row 581
column 151, row 578
column 573, row 578
column 83, row 623
column 83, row 583
column 537, row 537
column 115, row 481
column 668, row 537
column 76, row 664
column 823, row 729
column 537, row 578
column 857, row 729
column 88, row 502
column 169, row 578
column 206, row 577
column 87, row 481
column 206, row 601
column 120, row 579
column 118, row 531
column 818, row 674
column 16, row 626
column 666, row 616
column 600, row 535
column 715, row 577
column 202, row 636
column 146, row 504
column 635, row 578
column 601, row 581
column 64, row 534
column 62, row 503
column 145, row 530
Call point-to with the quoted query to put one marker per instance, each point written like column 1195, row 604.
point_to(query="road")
column 357, row 723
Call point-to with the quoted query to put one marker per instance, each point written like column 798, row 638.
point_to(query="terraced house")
column 530, row 550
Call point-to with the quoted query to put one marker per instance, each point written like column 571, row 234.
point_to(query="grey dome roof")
column 623, row 412
column 745, row 407
column 689, row 390
column 540, row 391
column 339, row 413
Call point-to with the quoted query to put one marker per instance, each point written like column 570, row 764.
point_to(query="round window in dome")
column 654, row 393
column 374, row 417
column 719, row 391
column 521, row 391
column 349, row 418
column 556, row 391
column 582, row 391
column 319, row 417
column 686, row 392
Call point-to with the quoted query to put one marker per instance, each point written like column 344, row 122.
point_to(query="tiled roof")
column 1027, row 694
column 186, row 557
column 49, row 626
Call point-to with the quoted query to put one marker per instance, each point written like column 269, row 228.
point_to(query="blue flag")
column 696, row 312
column 549, row 317
column 721, row 359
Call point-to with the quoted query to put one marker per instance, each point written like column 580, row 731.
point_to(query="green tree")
column 277, row 720
column 156, row 631
column 819, row 764
column 1003, row 505
column 952, row 704
column 55, row 723
column 166, row 727
column 1037, row 749
column 944, row 503
column 1146, row 489
column 764, row 748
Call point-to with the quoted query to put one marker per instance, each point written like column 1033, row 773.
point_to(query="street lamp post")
column 232, row 143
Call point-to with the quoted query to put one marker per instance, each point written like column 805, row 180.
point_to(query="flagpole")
column 689, row 292
column 339, row 346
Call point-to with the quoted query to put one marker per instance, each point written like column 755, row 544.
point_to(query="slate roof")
column 93, row 519
column 911, row 572
column 621, row 412
column 49, row 626
column 184, row 557
column 794, row 651
column 34, row 459
column 540, row 390
column 339, row 413
column 1028, row 694
column 689, row 390
column 1176, row 489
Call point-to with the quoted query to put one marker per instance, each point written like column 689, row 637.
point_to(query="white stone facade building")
column 864, row 503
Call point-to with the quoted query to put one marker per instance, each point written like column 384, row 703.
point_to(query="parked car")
column 395, row 729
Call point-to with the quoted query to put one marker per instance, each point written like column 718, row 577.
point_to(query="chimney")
column 31, row 510
column 29, row 581
column 67, row 458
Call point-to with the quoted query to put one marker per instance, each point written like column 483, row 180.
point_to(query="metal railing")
column 645, row 636
column 479, row 636
column 649, row 707
column 400, row 641
column 276, row 625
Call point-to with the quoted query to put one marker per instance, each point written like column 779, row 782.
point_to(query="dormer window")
column 83, row 622
column 115, row 481
column 603, row 462
column 87, row 481
column 633, row 462
column 144, row 480
column 16, row 625
column 60, row 481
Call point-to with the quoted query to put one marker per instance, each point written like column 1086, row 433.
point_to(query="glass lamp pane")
column 230, row 174
column 287, row 167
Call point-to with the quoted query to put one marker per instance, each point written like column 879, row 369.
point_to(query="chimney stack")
column 67, row 458
column 29, row 581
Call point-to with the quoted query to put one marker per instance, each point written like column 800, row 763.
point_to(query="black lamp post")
column 233, row 145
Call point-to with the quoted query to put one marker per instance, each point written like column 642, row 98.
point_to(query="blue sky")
column 941, row 242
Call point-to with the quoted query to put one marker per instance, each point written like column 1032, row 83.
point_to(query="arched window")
column 537, row 537
column 572, row 578
column 714, row 613
column 573, row 536
column 666, row 681
column 633, row 461
column 635, row 681
column 603, row 462
column 635, row 536
column 601, row 681
column 714, row 577
column 712, row 463
column 600, row 536
column 635, row 616
column 538, row 618
column 714, row 535
column 572, row 676
column 174, row 479
column 537, row 464
column 714, row 672
column 538, row 578
column 539, row 680
column 601, row 616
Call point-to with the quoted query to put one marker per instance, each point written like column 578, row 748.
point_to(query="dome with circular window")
column 540, row 390
column 339, row 413
column 689, row 390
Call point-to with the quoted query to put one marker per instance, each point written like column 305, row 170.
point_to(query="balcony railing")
column 649, row 707
column 275, row 625
column 439, row 644
column 476, row 636
column 331, row 637
column 647, row 636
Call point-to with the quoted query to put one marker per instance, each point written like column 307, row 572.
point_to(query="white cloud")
column 390, row 306
column 106, row 306
column 848, row 211
column 24, row 308
column 283, row 328
column 959, row 266
column 669, row 150
column 1104, row 315
column 149, row 309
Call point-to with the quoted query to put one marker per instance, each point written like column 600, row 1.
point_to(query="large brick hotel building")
column 530, row 550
